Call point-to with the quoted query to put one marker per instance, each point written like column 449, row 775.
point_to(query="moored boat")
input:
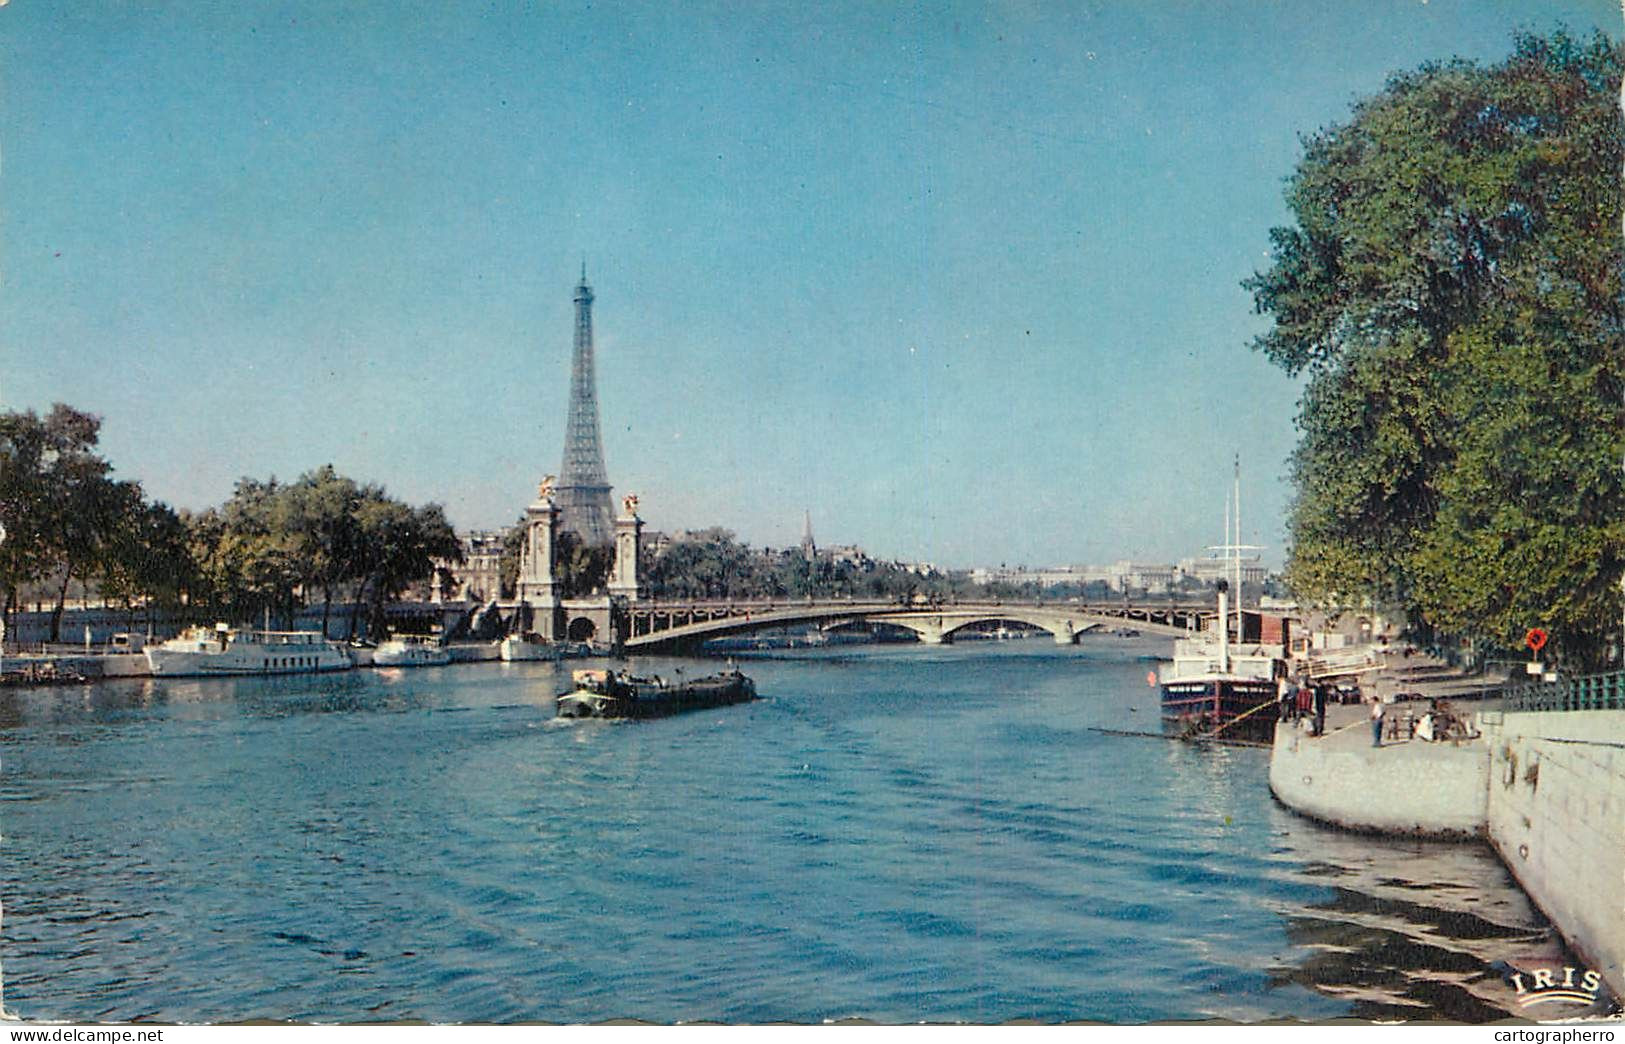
column 200, row 652
column 411, row 650
column 517, row 648
column 1216, row 688
column 613, row 694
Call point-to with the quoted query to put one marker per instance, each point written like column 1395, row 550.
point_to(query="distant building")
column 478, row 578
column 1018, row 576
column 656, row 542
column 846, row 554
column 1125, row 574
column 1211, row 570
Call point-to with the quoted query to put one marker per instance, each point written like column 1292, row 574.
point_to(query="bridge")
column 655, row 625
column 622, row 615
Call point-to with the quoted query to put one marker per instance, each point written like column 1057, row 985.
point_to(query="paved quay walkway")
column 1406, row 786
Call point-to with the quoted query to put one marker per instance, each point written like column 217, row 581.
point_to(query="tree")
column 319, row 517
column 58, row 500
column 580, row 569
column 1451, row 291
column 398, row 545
column 148, row 559
column 257, row 553
column 583, row 569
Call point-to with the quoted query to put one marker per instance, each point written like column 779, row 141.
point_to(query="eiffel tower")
column 583, row 489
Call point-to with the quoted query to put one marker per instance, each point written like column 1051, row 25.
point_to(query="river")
column 894, row 833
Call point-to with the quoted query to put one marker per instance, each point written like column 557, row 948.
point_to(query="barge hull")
column 1212, row 705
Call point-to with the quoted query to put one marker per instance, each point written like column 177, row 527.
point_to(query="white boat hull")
column 517, row 650
column 181, row 663
column 411, row 658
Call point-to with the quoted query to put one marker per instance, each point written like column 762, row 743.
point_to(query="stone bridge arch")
column 938, row 627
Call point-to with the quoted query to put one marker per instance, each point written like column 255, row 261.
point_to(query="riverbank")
column 85, row 667
column 1545, row 788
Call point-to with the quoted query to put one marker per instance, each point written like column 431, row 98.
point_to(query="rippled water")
column 894, row 833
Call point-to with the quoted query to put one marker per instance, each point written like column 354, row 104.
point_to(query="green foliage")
column 712, row 565
column 396, row 546
column 147, row 558
column 62, row 509
column 581, row 570
column 1451, row 292
column 269, row 548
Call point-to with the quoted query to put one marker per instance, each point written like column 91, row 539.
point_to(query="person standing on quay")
column 1320, row 709
column 1377, row 709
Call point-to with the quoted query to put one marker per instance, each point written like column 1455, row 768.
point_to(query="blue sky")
column 963, row 280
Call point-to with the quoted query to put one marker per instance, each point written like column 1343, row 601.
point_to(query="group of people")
column 1298, row 699
column 1440, row 722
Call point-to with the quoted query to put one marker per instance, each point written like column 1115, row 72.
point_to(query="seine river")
column 893, row 833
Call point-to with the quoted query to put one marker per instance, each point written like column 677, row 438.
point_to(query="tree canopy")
column 271, row 547
column 66, row 517
column 1451, row 292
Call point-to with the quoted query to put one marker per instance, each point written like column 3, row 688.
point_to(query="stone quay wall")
column 1545, row 788
column 1556, row 815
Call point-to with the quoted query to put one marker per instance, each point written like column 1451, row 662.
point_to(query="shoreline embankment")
column 1545, row 788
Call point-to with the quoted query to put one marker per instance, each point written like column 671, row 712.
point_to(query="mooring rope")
column 1244, row 714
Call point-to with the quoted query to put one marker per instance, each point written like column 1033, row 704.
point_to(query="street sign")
column 1535, row 639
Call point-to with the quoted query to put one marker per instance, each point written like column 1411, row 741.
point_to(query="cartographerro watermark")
column 1562, row 1036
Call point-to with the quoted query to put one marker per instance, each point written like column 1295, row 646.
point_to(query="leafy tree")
column 579, row 568
column 398, row 545
column 148, row 559
column 258, row 552
column 58, row 501
column 513, row 547
column 1451, row 291
column 319, row 517
column 583, row 569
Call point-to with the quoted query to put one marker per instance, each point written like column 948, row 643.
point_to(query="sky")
column 963, row 281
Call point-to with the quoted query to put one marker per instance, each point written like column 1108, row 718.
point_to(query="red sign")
column 1535, row 638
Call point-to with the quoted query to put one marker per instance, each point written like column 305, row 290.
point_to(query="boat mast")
column 1224, row 545
column 1236, row 544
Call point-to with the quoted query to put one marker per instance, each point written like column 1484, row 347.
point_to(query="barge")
column 1216, row 688
column 613, row 694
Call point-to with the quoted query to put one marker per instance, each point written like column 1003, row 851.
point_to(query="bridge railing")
column 1099, row 608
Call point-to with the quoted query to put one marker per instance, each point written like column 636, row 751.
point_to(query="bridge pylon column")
column 538, row 585
column 1066, row 634
column 623, row 576
column 931, row 632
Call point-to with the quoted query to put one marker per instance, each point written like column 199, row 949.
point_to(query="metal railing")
column 1592, row 692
